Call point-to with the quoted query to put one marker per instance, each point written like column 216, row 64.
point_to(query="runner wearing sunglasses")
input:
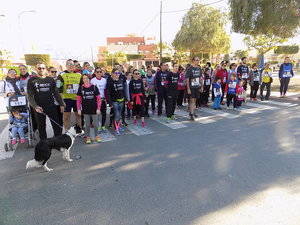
column 116, row 97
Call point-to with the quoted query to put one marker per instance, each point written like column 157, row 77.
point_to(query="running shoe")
column 121, row 129
column 143, row 124
column 192, row 117
column 13, row 141
column 173, row 117
column 125, row 124
column 103, row 128
column 98, row 139
column 135, row 122
column 22, row 140
column 88, row 140
column 195, row 115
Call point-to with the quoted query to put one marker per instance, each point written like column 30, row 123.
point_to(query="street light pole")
column 160, row 42
column 19, row 24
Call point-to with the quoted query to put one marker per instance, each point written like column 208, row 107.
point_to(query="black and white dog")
column 44, row 148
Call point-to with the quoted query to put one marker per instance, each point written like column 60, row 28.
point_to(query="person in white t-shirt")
column 100, row 81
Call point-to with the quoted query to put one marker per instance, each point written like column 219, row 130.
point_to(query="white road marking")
column 286, row 104
column 138, row 130
column 260, row 106
column 219, row 113
column 170, row 124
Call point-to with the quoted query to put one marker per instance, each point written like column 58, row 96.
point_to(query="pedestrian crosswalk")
column 205, row 116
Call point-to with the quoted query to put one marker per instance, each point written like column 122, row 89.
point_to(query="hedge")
column 34, row 59
column 133, row 56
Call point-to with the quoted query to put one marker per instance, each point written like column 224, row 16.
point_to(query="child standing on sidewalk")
column 241, row 94
column 231, row 89
column 19, row 122
column 89, row 104
column 217, row 90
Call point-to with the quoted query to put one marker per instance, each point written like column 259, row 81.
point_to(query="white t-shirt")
column 101, row 85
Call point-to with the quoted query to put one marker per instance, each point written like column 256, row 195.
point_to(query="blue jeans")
column 118, row 107
column 217, row 102
column 17, row 130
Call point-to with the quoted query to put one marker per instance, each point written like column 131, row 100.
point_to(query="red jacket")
column 223, row 74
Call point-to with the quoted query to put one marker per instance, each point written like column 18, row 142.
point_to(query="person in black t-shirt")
column 194, row 84
column 160, row 86
column 116, row 97
column 172, row 92
column 42, row 92
column 89, row 104
column 137, row 99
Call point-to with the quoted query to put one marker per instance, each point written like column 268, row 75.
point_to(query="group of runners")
column 136, row 93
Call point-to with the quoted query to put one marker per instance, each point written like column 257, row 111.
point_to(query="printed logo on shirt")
column 45, row 87
column 118, row 86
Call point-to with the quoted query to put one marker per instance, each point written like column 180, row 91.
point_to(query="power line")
column 182, row 10
column 150, row 22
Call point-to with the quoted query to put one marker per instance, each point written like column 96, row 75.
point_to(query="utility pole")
column 160, row 42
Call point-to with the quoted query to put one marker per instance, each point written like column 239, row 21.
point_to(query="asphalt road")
column 237, row 169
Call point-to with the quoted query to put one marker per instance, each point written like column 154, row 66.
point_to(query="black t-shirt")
column 89, row 99
column 43, row 90
column 115, row 90
column 194, row 74
column 136, row 87
column 161, row 79
column 243, row 71
column 172, row 80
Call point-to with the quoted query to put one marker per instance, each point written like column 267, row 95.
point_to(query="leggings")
column 284, row 84
column 87, row 118
column 254, row 89
column 180, row 97
column 103, row 113
column 230, row 98
column 148, row 99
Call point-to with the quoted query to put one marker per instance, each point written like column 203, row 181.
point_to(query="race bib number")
column 207, row 82
column 256, row 79
column 18, row 101
column 287, row 74
column 72, row 88
column 232, row 85
column 244, row 75
column 195, row 82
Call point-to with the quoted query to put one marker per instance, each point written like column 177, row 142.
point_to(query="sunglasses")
column 117, row 73
column 137, row 73
column 41, row 68
column 99, row 71
column 53, row 71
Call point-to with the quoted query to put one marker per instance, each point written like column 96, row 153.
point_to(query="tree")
column 115, row 58
column 203, row 31
column 241, row 53
column 278, row 18
column 181, row 57
column 287, row 49
column 263, row 43
column 5, row 57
